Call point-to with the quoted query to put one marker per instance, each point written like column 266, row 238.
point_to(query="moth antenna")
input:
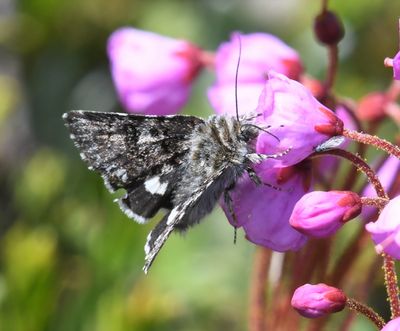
column 237, row 75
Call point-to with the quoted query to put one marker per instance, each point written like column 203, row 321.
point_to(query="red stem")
column 377, row 142
column 366, row 311
column 258, row 289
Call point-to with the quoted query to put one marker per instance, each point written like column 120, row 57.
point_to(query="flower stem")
column 379, row 203
column 377, row 142
column 391, row 285
column 366, row 311
column 332, row 68
column 361, row 165
column 258, row 289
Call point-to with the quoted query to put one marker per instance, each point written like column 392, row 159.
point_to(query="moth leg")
column 257, row 180
column 228, row 202
column 253, row 176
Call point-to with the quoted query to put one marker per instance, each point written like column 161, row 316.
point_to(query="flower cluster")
column 155, row 74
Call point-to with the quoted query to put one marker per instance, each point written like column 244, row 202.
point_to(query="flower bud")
column 372, row 106
column 321, row 214
column 328, row 28
column 393, row 325
column 152, row 74
column 318, row 300
column 385, row 231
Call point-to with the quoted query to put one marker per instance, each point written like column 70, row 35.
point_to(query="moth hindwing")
column 180, row 163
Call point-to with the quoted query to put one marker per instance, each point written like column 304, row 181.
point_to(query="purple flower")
column 385, row 231
column 395, row 63
column 393, row 325
column 261, row 52
column 152, row 73
column 318, row 300
column 264, row 212
column 321, row 214
column 396, row 66
column 387, row 173
column 295, row 117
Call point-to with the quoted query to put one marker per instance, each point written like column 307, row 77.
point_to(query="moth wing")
column 159, row 235
column 141, row 154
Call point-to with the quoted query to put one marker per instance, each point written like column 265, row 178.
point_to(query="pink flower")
column 321, row 214
column 152, row 73
column 393, row 325
column 387, row 173
column 318, row 300
column 264, row 212
column 295, row 117
column 395, row 63
column 261, row 52
column 385, row 231
column 396, row 66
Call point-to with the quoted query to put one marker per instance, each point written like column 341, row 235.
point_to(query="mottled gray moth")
column 182, row 164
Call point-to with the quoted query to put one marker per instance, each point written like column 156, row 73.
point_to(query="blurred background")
column 69, row 259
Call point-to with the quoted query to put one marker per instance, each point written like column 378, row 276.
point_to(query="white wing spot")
column 154, row 186
column 83, row 156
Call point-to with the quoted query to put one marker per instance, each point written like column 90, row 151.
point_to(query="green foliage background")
column 69, row 259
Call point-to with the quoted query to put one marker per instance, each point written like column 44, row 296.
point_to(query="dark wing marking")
column 142, row 202
column 126, row 149
column 133, row 151
column 157, row 238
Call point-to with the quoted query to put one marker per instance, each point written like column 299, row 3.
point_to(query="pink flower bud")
column 152, row 73
column 294, row 116
column 260, row 53
column 318, row 300
column 393, row 325
column 372, row 106
column 321, row 214
column 385, row 231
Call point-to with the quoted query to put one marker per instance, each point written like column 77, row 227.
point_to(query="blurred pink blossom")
column 385, row 231
column 393, row 325
column 260, row 53
column 152, row 74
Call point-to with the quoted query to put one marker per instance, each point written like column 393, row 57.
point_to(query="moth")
column 182, row 164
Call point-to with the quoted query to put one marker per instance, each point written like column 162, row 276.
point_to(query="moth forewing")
column 180, row 163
